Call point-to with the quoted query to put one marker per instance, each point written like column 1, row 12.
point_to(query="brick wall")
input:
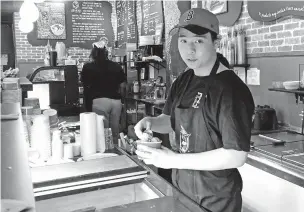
column 283, row 35
column 25, row 52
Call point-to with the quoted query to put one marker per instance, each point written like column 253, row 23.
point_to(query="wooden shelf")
column 300, row 92
column 240, row 65
column 297, row 93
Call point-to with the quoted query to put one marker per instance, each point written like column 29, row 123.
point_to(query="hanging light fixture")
column 29, row 11
column 25, row 26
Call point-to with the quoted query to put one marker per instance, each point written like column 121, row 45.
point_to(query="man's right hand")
column 141, row 126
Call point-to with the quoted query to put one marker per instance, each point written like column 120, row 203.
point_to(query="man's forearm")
column 161, row 124
column 217, row 159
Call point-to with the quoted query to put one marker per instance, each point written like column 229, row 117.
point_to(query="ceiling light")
column 29, row 11
column 25, row 26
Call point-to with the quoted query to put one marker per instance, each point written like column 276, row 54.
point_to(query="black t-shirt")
column 229, row 110
column 103, row 81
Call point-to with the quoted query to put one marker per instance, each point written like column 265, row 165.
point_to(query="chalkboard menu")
column 126, row 22
column 152, row 15
column 272, row 10
column 121, row 20
column 51, row 22
column 131, row 21
column 86, row 22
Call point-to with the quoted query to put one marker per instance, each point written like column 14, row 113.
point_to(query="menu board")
column 121, row 20
column 126, row 22
column 51, row 21
column 86, row 22
column 131, row 21
column 152, row 15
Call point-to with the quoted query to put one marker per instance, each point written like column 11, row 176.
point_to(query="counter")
column 119, row 183
column 279, row 160
column 263, row 161
column 15, row 173
column 158, row 105
column 131, row 185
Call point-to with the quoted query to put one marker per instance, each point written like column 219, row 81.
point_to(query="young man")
column 210, row 110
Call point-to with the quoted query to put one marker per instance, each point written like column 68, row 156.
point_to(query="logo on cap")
column 190, row 15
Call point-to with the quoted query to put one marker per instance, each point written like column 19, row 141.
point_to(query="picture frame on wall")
column 214, row 6
column 51, row 22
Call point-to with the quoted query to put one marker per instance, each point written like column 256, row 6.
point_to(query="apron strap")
column 215, row 67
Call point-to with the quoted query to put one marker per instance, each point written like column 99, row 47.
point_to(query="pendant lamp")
column 25, row 26
column 29, row 11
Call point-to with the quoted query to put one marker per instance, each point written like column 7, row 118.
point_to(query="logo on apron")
column 197, row 100
column 184, row 140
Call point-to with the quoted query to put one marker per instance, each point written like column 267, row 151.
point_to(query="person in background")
column 210, row 109
column 104, row 84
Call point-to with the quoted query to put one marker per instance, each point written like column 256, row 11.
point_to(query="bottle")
column 241, row 59
column 136, row 87
column 235, row 46
column 48, row 48
column 229, row 47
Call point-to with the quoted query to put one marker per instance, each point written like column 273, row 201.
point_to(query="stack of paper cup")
column 53, row 117
column 41, row 137
column 100, row 136
column 33, row 102
column 57, row 145
column 88, row 133
column 27, row 113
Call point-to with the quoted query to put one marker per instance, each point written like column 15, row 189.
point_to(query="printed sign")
column 272, row 10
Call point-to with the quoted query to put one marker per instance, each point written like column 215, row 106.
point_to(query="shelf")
column 149, row 62
column 287, row 91
column 240, row 65
column 298, row 93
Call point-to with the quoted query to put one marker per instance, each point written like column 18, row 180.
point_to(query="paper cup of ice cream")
column 153, row 143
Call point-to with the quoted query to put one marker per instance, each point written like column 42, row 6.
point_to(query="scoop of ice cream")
column 147, row 135
column 155, row 139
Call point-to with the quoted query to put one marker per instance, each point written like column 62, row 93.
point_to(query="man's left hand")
column 162, row 158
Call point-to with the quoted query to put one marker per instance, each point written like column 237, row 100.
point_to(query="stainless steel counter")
column 15, row 173
column 119, row 183
column 135, row 184
column 284, row 160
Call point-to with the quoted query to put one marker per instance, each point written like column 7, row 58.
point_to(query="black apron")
column 216, row 191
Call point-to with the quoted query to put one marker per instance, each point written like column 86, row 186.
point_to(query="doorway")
column 7, row 42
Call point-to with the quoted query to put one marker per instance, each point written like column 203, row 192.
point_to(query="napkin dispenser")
column 265, row 118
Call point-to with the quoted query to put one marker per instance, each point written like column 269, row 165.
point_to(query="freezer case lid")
column 85, row 172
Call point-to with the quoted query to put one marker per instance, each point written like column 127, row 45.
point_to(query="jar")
column 136, row 87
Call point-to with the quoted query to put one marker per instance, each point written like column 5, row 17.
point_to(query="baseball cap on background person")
column 102, row 43
column 198, row 21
